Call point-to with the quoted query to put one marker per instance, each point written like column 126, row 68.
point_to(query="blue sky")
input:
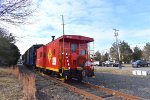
column 93, row 18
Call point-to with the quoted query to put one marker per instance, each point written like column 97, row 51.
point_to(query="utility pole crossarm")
column 116, row 32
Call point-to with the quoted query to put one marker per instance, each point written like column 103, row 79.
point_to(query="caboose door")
column 74, row 54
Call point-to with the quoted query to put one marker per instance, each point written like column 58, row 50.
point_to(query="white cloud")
column 93, row 18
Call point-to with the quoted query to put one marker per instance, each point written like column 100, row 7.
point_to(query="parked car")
column 108, row 63
column 96, row 63
column 116, row 64
column 140, row 63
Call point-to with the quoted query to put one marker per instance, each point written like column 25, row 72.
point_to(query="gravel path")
column 133, row 85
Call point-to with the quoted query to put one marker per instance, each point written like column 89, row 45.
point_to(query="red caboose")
column 66, row 56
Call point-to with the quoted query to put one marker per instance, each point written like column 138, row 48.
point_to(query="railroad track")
column 93, row 92
column 106, row 93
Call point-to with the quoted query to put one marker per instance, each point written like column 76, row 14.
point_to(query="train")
column 67, row 57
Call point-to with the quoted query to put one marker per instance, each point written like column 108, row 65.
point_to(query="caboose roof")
column 77, row 38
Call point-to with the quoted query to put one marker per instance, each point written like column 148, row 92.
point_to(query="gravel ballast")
column 50, row 90
column 132, row 85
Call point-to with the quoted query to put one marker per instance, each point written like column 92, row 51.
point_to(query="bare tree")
column 6, row 36
column 15, row 11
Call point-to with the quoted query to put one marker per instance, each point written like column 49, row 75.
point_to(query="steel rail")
column 73, row 88
column 113, row 92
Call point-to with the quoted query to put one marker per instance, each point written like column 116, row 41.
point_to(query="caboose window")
column 73, row 47
column 82, row 52
column 54, row 52
column 44, row 54
column 40, row 54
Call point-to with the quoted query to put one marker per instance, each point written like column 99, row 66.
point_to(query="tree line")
column 126, row 53
column 14, row 12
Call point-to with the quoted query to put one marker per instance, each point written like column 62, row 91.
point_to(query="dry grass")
column 28, row 82
column 27, row 90
column 127, row 65
column 10, row 86
column 126, row 70
column 114, row 70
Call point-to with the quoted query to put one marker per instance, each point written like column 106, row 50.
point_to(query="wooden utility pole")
column 118, row 50
column 63, row 31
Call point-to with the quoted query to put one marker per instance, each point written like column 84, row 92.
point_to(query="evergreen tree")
column 9, row 53
column 125, row 52
column 137, row 53
column 105, row 57
column 146, row 52
column 97, row 56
